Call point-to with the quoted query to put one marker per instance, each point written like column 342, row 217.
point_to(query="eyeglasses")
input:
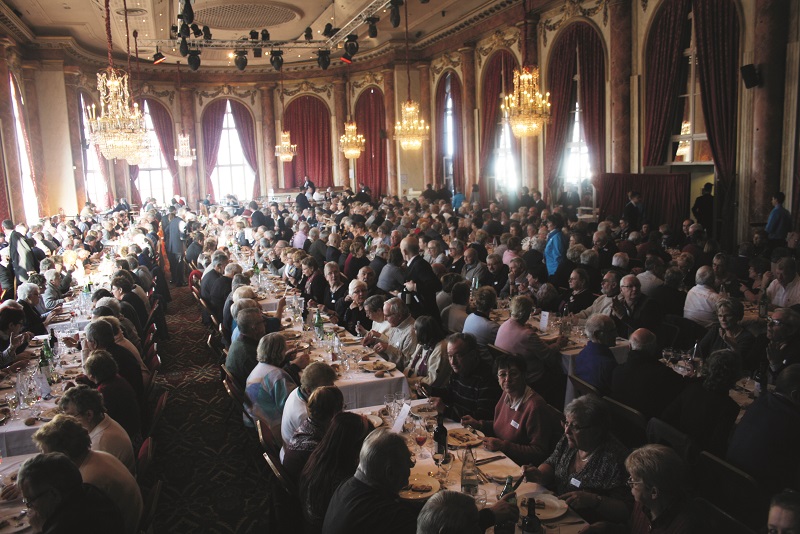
column 629, row 287
column 510, row 374
column 631, row 483
column 774, row 322
column 571, row 425
column 28, row 502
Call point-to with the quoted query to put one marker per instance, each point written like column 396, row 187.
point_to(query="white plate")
column 384, row 366
column 499, row 470
column 42, row 337
column 408, row 495
column 424, row 410
column 14, row 525
column 374, row 420
column 473, row 441
column 553, row 506
column 290, row 334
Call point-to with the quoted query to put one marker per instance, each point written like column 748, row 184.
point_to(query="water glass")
column 480, row 499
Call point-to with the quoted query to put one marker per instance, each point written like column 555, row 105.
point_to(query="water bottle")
column 469, row 473
column 507, row 527
column 318, row 325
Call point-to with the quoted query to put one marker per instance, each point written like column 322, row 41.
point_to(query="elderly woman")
column 268, row 385
column 429, row 363
column 12, row 340
column 480, row 325
column 323, row 404
column 392, row 276
column 704, row 410
column 373, row 307
column 730, row 335
column 335, row 288
column 29, row 296
column 758, row 266
column 119, row 396
column 578, row 298
column 357, row 259
column 435, row 252
column 350, row 309
column 122, row 289
column 595, row 363
column 587, row 467
column 547, row 298
column 522, row 427
column 313, row 284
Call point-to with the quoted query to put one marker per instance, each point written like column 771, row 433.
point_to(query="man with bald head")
column 643, row 382
column 633, row 309
column 473, row 266
column 421, row 283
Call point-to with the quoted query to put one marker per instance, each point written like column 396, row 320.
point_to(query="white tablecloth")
column 9, row 510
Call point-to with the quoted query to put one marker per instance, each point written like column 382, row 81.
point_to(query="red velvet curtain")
column 370, row 117
column 103, row 164
column 441, row 142
column 308, row 120
column 162, row 125
column 592, row 79
column 665, row 196
column 717, row 40
column 665, row 73
column 560, row 75
column 499, row 72
column 213, row 118
column 133, row 174
column 243, row 121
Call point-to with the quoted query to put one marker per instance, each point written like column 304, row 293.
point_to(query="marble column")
column 72, row 80
column 391, row 144
column 340, row 97
column 267, row 92
column 12, row 163
column 121, row 180
column 621, row 60
column 530, row 145
column 771, row 32
column 468, row 82
column 190, row 174
column 428, row 175
column 34, row 129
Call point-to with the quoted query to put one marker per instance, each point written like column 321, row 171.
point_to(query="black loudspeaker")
column 750, row 76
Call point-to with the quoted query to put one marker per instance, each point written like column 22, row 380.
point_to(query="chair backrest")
column 145, row 458
column 629, row 425
column 153, row 311
column 153, row 361
column 496, row 351
column 582, row 387
column 730, row 489
column 273, row 460
column 194, row 281
column 662, row 433
column 148, row 390
column 712, row 519
column 236, row 393
column 149, row 509
column 158, row 412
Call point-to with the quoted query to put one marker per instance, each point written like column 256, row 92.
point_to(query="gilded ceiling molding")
column 447, row 60
column 500, row 39
column 486, row 11
column 149, row 90
column 371, row 78
column 308, row 87
column 13, row 26
column 570, row 10
column 227, row 90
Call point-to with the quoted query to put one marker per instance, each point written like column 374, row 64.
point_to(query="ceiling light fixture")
column 254, row 35
column 351, row 45
column 308, row 34
column 372, row 28
column 285, row 151
column 324, row 59
column 196, row 31
column 241, row 59
column 158, row 57
column 394, row 12
column 206, row 33
column 264, row 35
column 194, row 59
column 276, row 59
column 411, row 130
column 188, row 12
column 351, row 143
column 185, row 155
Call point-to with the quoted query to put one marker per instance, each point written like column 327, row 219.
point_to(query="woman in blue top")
column 556, row 244
column 268, row 385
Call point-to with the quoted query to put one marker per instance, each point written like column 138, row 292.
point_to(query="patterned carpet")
column 214, row 479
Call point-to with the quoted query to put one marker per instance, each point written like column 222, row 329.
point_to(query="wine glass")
column 421, row 437
column 480, row 499
column 388, row 401
column 13, row 403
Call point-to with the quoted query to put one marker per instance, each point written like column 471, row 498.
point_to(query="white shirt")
column 401, row 343
column 295, row 412
column 110, row 437
column 701, row 306
column 602, row 304
column 784, row 297
column 649, row 282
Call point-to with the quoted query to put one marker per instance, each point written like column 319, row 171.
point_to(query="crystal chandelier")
column 285, row 151
column 184, row 154
column 411, row 130
column 527, row 108
column 351, row 143
column 120, row 131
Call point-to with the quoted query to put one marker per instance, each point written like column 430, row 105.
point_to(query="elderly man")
column 634, row 310
column 86, row 405
column 701, row 300
column 473, row 268
column 421, row 282
column 653, row 276
column 783, row 288
column 605, row 247
column 764, row 443
column 318, row 247
column 242, row 355
column 176, row 247
column 58, row 500
column 100, row 336
column 595, row 363
column 451, row 511
column 517, row 278
column 609, row 287
column 783, row 349
column 473, row 388
column 65, row 434
column 454, row 315
column 669, row 296
column 379, row 262
column 52, row 293
column 213, row 273
column 497, row 276
column 221, row 289
column 643, row 382
column 400, row 344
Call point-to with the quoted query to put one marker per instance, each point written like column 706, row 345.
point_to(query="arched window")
column 155, row 178
column 232, row 174
column 93, row 179
column 449, row 163
column 29, row 199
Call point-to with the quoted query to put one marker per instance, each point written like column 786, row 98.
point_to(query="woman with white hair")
column 350, row 309
column 29, row 296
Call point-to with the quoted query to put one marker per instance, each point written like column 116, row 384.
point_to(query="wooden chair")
column 236, row 393
column 153, row 361
column 145, row 459
column 151, row 316
column 150, row 386
column 215, row 344
column 662, row 433
column 712, row 519
column 158, row 412
column 629, row 425
column 273, row 459
column 149, row 509
column 730, row 489
column 496, row 351
column 582, row 387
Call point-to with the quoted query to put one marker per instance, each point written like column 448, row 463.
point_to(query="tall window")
column 154, row 178
column 232, row 175
column 689, row 139
column 575, row 165
column 93, row 181
column 505, row 170
column 449, row 135
column 30, row 204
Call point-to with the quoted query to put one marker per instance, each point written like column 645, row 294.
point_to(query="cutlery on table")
column 489, row 460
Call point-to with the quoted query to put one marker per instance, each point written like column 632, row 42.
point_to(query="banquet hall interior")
column 240, row 100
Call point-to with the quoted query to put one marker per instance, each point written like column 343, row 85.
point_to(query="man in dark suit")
column 20, row 252
column 634, row 310
column 257, row 218
column 497, row 276
column 195, row 248
column 176, row 248
column 669, row 296
column 421, row 282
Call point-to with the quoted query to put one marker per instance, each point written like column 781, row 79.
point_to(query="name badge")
column 575, row 482
column 514, row 424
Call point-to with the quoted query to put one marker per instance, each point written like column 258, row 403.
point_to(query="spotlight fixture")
column 372, row 28
column 185, row 30
column 264, row 35
column 184, row 47
column 308, row 34
column 158, row 57
column 254, row 35
column 351, row 44
column 276, row 59
column 324, row 59
column 194, row 59
column 188, row 12
column 196, row 31
column 241, row 59
column 257, row 52
column 394, row 12
column 173, row 31
column 206, row 33
column 329, row 30
column 347, row 58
